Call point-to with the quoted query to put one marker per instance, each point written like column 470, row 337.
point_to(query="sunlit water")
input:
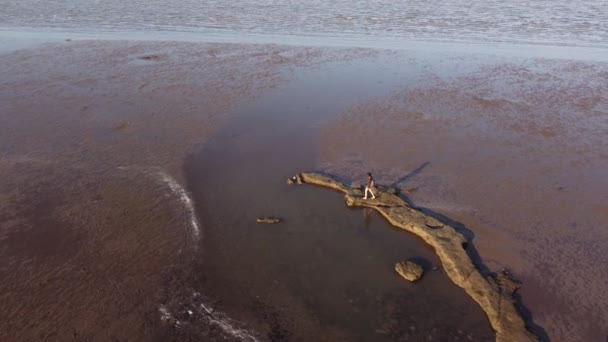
column 556, row 22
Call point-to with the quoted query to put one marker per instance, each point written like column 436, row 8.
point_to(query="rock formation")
column 493, row 294
column 269, row 220
column 409, row 270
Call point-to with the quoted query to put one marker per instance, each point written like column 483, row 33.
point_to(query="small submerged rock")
column 297, row 179
column 150, row 58
column 409, row 270
column 121, row 125
column 268, row 220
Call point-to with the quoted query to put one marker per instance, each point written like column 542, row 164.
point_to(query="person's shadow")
column 470, row 248
column 410, row 175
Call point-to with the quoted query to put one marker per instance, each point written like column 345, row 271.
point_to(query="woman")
column 370, row 185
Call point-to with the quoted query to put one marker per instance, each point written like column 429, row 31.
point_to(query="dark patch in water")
column 273, row 318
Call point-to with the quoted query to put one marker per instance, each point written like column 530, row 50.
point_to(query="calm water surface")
column 543, row 21
column 326, row 272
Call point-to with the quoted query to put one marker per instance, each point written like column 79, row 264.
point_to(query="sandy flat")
column 93, row 135
column 517, row 151
column 122, row 163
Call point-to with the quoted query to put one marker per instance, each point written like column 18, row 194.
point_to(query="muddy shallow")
column 326, row 272
column 132, row 174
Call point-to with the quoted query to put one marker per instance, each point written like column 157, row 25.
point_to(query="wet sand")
column 132, row 174
column 516, row 151
column 94, row 223
column 82, row 253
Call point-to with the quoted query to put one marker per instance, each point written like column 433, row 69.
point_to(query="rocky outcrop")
column 493, row 294
column 409, row 270
column 297, row 179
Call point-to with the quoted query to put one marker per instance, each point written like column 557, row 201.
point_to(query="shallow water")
column 545, row 21
column 326, row 272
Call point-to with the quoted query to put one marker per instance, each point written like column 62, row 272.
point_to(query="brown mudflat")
column 94, row 225
column 114, row 154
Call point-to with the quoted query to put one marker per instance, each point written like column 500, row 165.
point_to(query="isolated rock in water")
column 150, row 58
column 120, row 125
column 409, row 270
column 269, row 220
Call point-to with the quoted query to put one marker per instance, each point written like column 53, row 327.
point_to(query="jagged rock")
column 493, row 295
column 150, row 58
column 409, row 270
column 432, row 222
column 324, row 180
column 269, row 220
column 297, row 179
column 392, row 191
column 507, row 282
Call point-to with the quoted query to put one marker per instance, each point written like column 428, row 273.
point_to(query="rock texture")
column 269, row 220
column 493, row 294
column 409, row 270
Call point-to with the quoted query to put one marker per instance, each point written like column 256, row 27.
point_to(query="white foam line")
column 208, row 315
column 180, row 192
column 164, row 314
column 217, row 318
column 225, row 324
column 176, row 190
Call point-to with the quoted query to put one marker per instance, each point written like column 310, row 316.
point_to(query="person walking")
column 370, row 185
